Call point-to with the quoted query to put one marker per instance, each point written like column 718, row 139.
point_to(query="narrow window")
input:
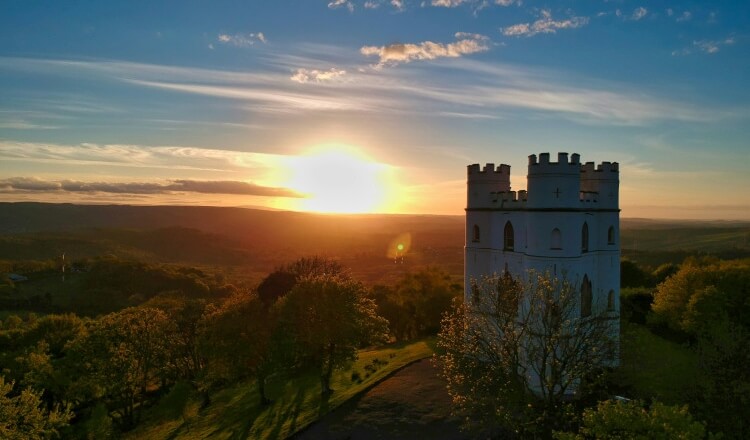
column 611, row 301
column 611, row 235
column 585, row 297
column 508, row 241
column 476, row 233
column 556, row 240
column 585, row 237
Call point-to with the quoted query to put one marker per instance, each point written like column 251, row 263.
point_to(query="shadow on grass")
column 289, row 415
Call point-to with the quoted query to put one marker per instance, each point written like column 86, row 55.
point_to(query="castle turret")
column 483, row 185
column 554, row 184
column 603, row 181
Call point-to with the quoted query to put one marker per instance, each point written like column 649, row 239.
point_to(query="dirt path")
column 412, row 404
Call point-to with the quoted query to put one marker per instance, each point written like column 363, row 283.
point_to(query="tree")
column 328, row 319
column 612, row 420
column 513, row 354
column 415, row 305
column 188, row 318
column 23, row 416
column 282, row 280
column 239, row 340
column 121, row 356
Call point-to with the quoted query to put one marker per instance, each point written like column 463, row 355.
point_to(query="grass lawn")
column 655, row 367
column 234, row 413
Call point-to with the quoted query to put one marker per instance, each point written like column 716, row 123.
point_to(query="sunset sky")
column 371, row 106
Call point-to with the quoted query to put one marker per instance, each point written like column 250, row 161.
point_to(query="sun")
column 339, row 179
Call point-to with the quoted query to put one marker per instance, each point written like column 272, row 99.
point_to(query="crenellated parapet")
column 603, row 179
column 488, row 173
column 484, row 182
column 562, row 166
column 562, row 184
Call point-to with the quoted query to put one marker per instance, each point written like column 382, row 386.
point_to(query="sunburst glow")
column 340, row 179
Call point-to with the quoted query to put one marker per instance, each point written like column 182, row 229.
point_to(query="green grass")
column 234, row 413
column 653, row 367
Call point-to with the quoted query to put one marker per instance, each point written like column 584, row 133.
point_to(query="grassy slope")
column 234, row 412
column 655, row 367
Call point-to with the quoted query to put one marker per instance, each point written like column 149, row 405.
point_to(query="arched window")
column 585, row 237
column 556, row 240
column 585, row 297
column 475, row 236
column 611, row 301
column 611, row 235
column 508, row 242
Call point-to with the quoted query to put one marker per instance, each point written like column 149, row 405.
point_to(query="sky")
column 371, row 106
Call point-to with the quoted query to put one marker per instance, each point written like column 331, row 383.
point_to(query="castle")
column 566, row 223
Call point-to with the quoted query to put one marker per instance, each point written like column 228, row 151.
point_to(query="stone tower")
column 566, row 223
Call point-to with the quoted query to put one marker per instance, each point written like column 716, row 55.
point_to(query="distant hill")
column 265, row 238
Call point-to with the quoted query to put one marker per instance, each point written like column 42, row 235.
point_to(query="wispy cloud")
column 685, row 16
column 335, row 4
column 18, row 124
column 413, row 89
column 639, row 13
column 481, row 4
column 172, row 186
column 404, row 53
column 138, row 157
column 705, row 46
column 544, row 25
column 241, row 40
column 314, row 75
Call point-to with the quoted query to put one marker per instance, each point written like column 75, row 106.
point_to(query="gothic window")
column 611, row 301
column 611, row 235
column 476, row 233
column 556, row 241
column 586, row 297
column 585, row 237
column 508, row 241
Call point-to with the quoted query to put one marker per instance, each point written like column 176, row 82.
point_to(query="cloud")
column 370, row 4
column 483, row 4
column 686, row 16
column 545, row 25
column 639, row 13
column 172, row 186
column 705, row 46
column 240, row 40
column 335, row 4
column 305, row 75
column 398, row 4
column 448, row 3
column 404, row 53
column 17, row 124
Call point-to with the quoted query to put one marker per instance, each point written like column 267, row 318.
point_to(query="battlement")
column 588, row 196
column 475, row 173
column 563, row 165
column 508, row 196
column 604, row 167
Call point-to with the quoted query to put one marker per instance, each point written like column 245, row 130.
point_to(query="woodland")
column 151, row 323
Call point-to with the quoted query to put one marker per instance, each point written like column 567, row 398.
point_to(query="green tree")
column 329, row 319
column 415, row 305
column 282, row 280
column 123, row 354
column 23, row 416
column 612, row 420
column 239, row 340
column 188, row 316
column 514, row 353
